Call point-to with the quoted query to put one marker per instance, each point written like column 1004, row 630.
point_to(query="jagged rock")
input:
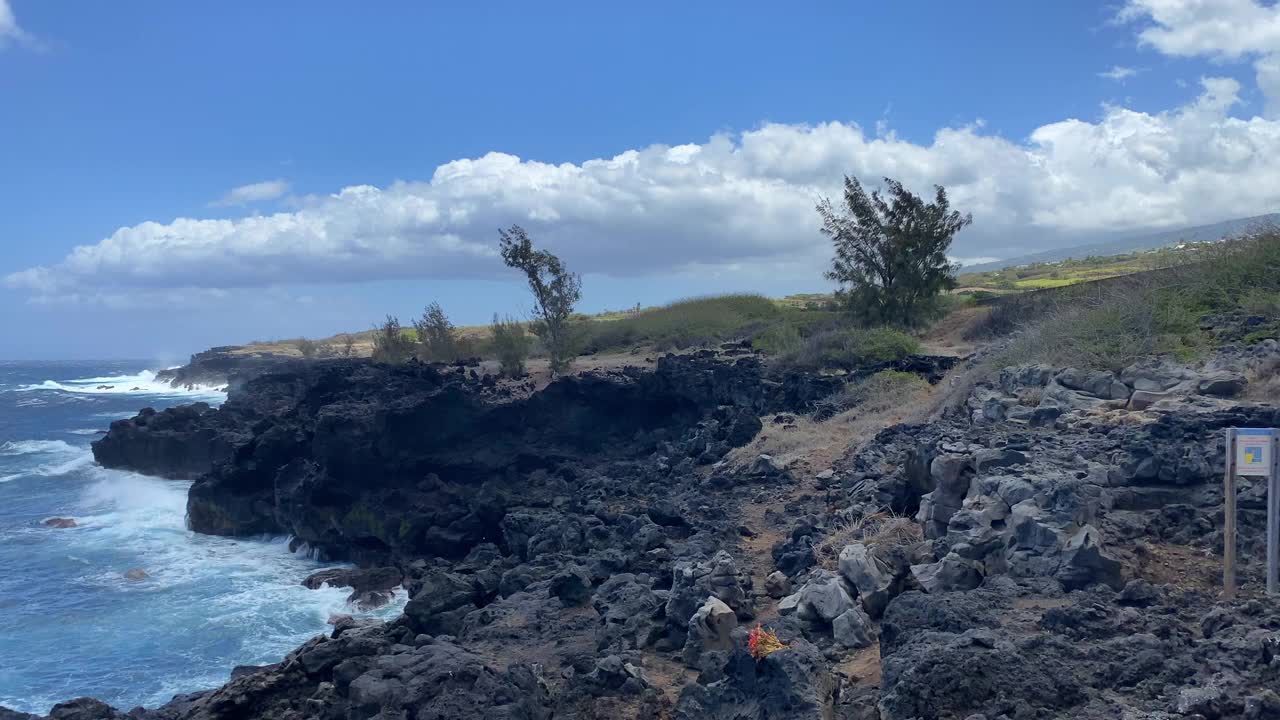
column 60, row 523
column 997, row 458
column 875, row 580
column 1084, row 563
column 823, row 598
column 631, row 613
column 791, row 684
column 1143, row 399
column 1098, row 383
column 439, row 602
column 572, row 586
column 1222, row 384
column 951, row 474
column 789, row 605
column 136, row 574
column 950, row 573
column 1154, row 376
column 853, row 629
column 777, row 585
column 1139, row 593
column 710, row 635
column 692, row 582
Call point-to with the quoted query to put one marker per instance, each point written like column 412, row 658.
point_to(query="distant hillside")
column 1200, row 233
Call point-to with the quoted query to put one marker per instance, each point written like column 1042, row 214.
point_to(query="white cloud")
column 10, row 33
column 252, row 193
column 1119, row 73
column 733, row 204
column 1229, row 29
column 1224, row 30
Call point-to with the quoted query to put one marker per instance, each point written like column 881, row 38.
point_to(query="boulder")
column 572, row 586
column 1084, row 563
column 1222, row 384
column 136, row 574
column 60, row 523
column 874, row 579
column 777, row 585
column 951, row 573
column 692, row 582
column 1097, row 383
column 1143, row 399
column 823, row 598
column 853, row 629
column 710, row 635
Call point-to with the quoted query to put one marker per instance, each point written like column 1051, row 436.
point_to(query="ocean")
column 71, row 623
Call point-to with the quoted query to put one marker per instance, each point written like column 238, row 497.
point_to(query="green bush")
column 511, row 346
column 778, row 339
column 393, row 343
column 307, row 348
column 850, row 348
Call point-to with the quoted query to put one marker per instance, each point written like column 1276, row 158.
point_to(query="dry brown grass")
column 805, row 445
column 882, row 528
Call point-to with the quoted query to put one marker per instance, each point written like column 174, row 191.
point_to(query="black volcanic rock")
column 371, row 462
column 181, row 442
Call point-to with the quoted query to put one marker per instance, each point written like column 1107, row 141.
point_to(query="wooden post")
column 1273, row 520
column 1229, row 525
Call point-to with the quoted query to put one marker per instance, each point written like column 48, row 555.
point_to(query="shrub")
column 437, row 339
column 850, row 348
column 511, row 345
column 691, row 323
column 778, row 339
column 307, row 348
column 882, row 528
column 392, row 343
column 348, row 346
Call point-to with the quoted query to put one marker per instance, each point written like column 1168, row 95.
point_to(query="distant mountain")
column 1200, row 233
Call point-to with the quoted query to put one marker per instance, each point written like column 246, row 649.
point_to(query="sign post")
column 1229, row 520
column 1254, row 452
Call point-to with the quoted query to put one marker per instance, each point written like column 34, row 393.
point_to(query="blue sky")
column 249, row 170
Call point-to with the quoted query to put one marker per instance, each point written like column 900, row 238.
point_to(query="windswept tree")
column 437, row 338
column 555, row 291
column 348, row 346
column 306, row 348
column 891, row 251
column 390, row 344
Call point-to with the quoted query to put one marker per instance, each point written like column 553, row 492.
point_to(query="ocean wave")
column 143, row 383
column 86, row 431
column 37, row 447
column 57, row 458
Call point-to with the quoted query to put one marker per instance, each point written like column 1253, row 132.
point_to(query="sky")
column 175, row 176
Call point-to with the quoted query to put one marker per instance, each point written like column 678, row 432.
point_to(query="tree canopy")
column 891, row 251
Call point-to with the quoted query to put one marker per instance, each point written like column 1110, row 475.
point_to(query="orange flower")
column 761, row 643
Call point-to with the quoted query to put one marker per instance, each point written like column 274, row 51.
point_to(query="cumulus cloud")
column 252, row 193
column 1119, row 73
column 1224, row 30
column 734, row 203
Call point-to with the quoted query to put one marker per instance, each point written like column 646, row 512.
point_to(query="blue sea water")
column 71, row 623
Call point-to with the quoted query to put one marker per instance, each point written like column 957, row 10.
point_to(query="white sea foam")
column 85, row 431
column 58, row 458
column 37, row 447
column 143, row 383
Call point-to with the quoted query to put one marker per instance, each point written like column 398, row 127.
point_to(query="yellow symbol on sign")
column 1253, row 455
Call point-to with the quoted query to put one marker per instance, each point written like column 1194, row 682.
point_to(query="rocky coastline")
column 1044, row 543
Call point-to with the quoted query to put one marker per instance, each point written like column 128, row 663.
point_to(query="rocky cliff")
column 1046, row 548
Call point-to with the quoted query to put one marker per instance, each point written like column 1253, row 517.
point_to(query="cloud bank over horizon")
column 738, row 202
